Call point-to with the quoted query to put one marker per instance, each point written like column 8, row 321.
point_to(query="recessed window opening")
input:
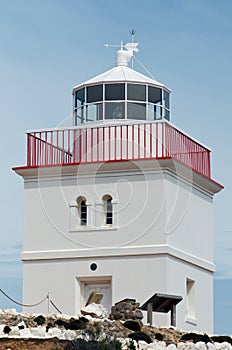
column 82, row 210
column 190, row 299
column 108, row 210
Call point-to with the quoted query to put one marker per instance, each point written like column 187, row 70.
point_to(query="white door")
column 104, row 288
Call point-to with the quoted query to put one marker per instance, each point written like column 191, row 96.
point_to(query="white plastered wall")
column 156, row 216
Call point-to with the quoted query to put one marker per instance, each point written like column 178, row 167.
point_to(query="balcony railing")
column 108, row 143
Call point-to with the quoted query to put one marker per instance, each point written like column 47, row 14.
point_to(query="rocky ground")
column 54, row 332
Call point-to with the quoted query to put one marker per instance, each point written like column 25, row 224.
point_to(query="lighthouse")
column 121, row 202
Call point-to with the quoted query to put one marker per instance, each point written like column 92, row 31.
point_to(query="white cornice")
column 108, row 252
column 168, row 165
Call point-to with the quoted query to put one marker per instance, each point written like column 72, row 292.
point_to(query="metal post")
column 49, row 298
column 173, row 315
column 149, row 313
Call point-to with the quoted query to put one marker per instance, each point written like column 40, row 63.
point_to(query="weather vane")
column 132, row 33
column 130, row 47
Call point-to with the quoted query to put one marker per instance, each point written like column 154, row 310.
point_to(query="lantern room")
column 118, row 94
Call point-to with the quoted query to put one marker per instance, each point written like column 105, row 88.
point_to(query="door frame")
column 80, row 288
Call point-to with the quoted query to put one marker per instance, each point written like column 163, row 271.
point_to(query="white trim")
column 95, row 229
column 151, row 250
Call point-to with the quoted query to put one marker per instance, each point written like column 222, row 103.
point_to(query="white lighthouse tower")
column 121, row 202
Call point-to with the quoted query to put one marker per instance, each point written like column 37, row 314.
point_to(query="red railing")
column 135, row 141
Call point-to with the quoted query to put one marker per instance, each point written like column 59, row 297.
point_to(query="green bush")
column 132, row 325
column 195, row 337
column 159, row 336
column 40, row 320
column 222, row 339
column 140, row 336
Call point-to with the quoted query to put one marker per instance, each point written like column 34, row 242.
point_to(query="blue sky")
column 49, row 46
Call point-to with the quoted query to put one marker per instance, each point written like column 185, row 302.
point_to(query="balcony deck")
column 115, row 142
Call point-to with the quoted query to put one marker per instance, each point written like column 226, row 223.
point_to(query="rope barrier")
column 24, row 305
column 55, row 307
column 31, row 305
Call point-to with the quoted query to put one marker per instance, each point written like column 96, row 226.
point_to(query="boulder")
column 94, row 297
column 94, row 310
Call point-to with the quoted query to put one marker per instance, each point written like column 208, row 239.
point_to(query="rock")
column 94, row 297
column 14, row 331
column 94, row 310
column 171, row 347
column 138, row 314
column 126, row 309
column 38, row 332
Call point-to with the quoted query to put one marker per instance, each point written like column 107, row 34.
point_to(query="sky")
column 49, row 46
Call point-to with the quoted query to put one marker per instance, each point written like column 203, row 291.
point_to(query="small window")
column 136, row 92
column 108, row 210
column 82, row 211
column 115, row 92
column 94, row 93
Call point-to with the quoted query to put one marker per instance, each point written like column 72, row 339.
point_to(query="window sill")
column 191, row 320
column 94, row 229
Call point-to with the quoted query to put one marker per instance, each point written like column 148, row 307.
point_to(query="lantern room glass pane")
column 154, row 94
column 136, row 92
column 80, row 115
column 166, row 99
column 115, row 92
column 94, row 112
column 79, row 97
column 115, row 110
column 151, row 114
column 94, row 93
column 158, row 112
column 166, row 114
column 136, row 111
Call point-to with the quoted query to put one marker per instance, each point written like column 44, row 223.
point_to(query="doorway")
column 101, row 284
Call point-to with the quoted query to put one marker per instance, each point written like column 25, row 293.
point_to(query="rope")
column 55, row 307
column 24, row 305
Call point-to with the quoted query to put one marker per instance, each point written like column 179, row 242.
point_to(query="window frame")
column 108, row 210
column 82, row 209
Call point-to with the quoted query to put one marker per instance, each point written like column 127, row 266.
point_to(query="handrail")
column 128, row 141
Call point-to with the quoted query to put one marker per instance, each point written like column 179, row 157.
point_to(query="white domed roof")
column 121, row 74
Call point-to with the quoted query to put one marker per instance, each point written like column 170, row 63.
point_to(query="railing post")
column 28, row 150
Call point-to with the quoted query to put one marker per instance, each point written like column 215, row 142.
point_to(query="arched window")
column 82, row 210
column 108, row 210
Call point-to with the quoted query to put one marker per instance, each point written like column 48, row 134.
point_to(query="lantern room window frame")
column 96, row 102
